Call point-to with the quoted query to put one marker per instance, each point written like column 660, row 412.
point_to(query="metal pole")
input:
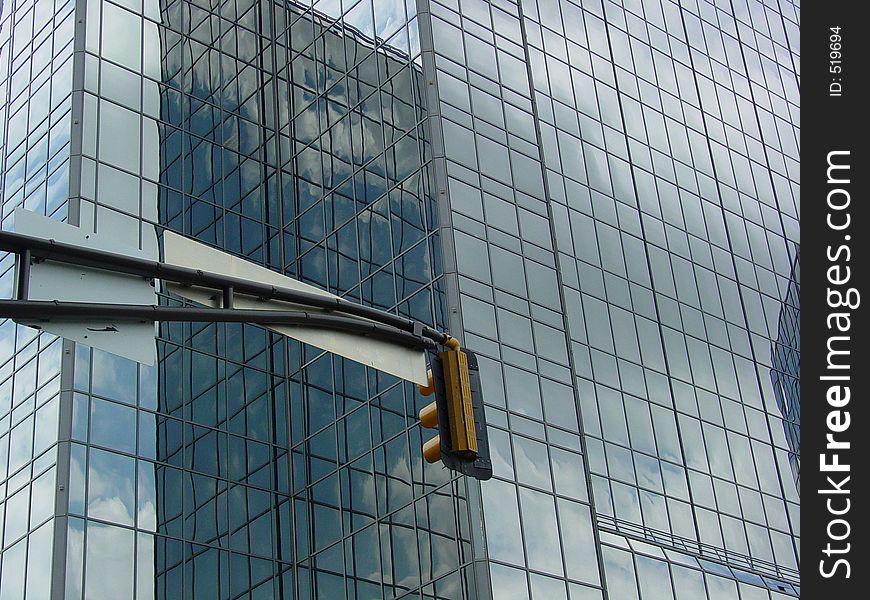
column 78, row 255
column 24, row 259
column 36, row 311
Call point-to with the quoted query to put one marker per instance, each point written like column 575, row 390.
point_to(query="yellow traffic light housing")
column 461, row 444
column 454, row 365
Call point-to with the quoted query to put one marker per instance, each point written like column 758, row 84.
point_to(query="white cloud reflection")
column 384, row 20
column 109, row 563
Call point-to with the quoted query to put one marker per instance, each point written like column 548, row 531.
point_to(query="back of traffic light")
column 457, row 412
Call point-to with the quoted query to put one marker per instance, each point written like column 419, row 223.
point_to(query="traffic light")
column 461, row 444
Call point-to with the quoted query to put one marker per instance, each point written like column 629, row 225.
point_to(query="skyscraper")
column 599, row 199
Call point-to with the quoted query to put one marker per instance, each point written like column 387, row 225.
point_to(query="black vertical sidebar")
column 835, row 425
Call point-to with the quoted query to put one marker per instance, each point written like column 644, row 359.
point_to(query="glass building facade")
column 600, row 199
column 786, row 376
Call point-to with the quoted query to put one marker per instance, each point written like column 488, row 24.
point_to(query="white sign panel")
column 391, row 358
column 72, row 283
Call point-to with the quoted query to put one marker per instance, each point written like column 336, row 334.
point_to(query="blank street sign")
column 384, row 356
column 51, row 280
column 71, row 283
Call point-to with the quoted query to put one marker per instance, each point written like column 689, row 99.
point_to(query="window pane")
column 109, row 563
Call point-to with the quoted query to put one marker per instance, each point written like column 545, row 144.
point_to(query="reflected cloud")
column 109, row 563
column 503, row 537
column 111, row 489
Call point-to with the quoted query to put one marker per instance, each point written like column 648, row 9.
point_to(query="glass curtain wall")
column 36, row 84
column 263, row 468
column 600, row 198
column 623, row 192
column 242, row 465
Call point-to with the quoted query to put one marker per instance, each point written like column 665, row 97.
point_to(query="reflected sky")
column 111, row 487
column 383, row 20
column 109, row 563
